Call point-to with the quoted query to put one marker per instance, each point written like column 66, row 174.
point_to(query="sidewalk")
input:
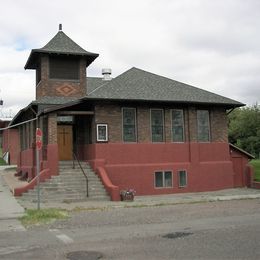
column 9, row 207
column 139, row 201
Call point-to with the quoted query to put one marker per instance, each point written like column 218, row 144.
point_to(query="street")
column 211, row 230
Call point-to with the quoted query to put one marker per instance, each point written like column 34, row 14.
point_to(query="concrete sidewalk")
column 10, row 209
column 140, row 201
column 158, row 200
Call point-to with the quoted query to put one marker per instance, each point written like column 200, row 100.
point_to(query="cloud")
column 214, row 45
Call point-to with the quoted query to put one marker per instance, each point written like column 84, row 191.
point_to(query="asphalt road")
column 215, row 230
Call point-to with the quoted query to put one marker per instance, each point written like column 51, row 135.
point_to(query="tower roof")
column 59, row 44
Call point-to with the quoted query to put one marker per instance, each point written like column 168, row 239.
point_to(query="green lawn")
column 256, row 165
column 2, row 162
column 43, row 216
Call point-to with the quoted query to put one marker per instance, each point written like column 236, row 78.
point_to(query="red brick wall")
column 112, row 115
column 134, row 165
column 52, row 129
column 11, row 143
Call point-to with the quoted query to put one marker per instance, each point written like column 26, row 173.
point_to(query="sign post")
column 38, row 148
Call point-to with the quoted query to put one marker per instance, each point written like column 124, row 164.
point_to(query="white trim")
column 106, row 133
column 163, row 183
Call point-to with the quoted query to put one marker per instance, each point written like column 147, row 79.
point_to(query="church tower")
column 60, row 68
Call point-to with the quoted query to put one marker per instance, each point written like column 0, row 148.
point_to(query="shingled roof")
column 60, row 44
column 137, row 84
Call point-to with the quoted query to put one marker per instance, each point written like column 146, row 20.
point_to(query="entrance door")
column 65, row 142
column 238, row 169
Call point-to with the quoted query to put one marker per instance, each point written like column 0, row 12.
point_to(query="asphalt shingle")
column 59, row 44
column 137, row 84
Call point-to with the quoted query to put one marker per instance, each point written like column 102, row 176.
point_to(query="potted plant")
column 127, row 195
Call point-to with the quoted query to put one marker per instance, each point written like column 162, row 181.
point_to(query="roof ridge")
column 56, row 37
column 107, row 82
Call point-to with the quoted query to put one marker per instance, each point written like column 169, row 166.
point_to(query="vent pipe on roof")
column 60, row 27
column 106, row 74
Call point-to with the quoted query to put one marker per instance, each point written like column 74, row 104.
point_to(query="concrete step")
column 68, row 197
column 69, row 185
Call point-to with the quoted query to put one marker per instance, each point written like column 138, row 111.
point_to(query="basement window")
column 163, row 179
column 182, row 178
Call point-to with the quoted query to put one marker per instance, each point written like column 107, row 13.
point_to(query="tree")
column 244, row 129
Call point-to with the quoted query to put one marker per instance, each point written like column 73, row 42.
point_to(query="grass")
column 2, row 161
column 43, row 216
column 256, row 165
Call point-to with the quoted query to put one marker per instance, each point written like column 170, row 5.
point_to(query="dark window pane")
column 129, row 125
column 203, row 125
column 64, row 68
column 177, row 126
column 157, row 125
column 168, row 179
column 158, row 179
column 182, row 178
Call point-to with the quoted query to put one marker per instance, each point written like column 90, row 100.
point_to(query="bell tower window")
column 64, row 68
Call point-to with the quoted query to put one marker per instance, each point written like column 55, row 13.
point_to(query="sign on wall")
column 38, row 139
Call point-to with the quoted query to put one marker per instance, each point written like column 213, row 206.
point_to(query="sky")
column 213, row 45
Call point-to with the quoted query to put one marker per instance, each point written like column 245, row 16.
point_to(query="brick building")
column 9, row 141
column 138, row 130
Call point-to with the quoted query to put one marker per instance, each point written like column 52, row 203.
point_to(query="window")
column 102, row 135
column 163, row 179
column 64, row 68
column 177, row 125
column 203, row 126
column 129, row 124
column 157, row 125
column 182, row 178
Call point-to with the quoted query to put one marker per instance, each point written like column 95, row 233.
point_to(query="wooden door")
column 65, row 142
column 238, row 169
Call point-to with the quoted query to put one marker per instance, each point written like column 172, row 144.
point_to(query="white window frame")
column 151, row 129
column 99, row 139
column 183, row 124
column 163, row 173
column 179, row 179
column 123, row 125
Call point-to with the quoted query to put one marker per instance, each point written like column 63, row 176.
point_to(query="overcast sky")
column 213, row 45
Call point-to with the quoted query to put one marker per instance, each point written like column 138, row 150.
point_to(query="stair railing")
column 82, row 170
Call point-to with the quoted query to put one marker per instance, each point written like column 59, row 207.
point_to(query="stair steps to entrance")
column 69, row 186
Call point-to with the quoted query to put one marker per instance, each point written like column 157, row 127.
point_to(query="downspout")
column 189, row 135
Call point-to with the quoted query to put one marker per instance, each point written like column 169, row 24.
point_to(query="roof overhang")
column 35, row 54
column 250, row 156
column 227, row 106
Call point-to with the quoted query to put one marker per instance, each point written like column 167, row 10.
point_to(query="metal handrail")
column 85, row 175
